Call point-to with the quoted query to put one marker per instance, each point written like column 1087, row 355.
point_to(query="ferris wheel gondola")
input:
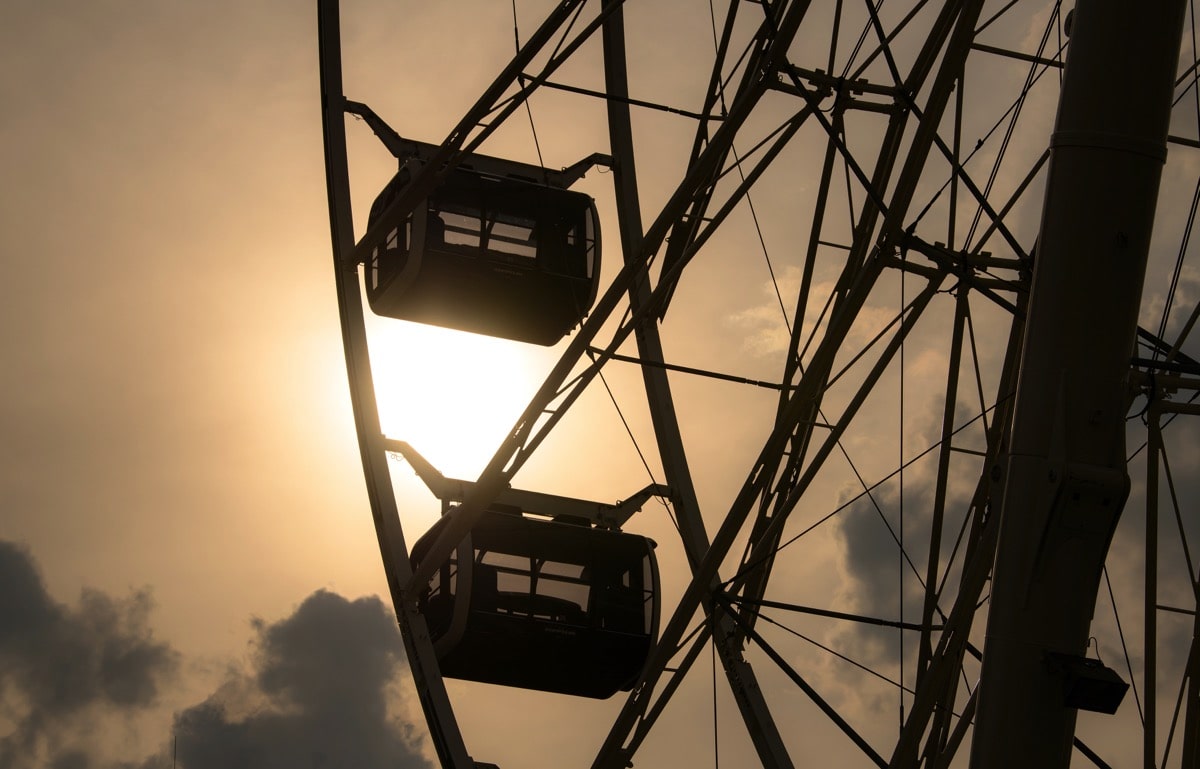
column 491, row 253
column 540, row 604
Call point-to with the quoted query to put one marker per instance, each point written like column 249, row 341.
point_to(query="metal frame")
column 916, row 105
column 1161, row 388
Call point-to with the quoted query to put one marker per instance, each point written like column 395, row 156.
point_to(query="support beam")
column 1065, row 480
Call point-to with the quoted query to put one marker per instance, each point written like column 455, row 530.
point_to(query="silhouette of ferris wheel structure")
column 970, row 428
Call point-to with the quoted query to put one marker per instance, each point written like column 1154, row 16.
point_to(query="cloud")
column 877, row 582
column 323, row 691
column 1186, row 295
column 869, row 529
column 765, row 332
column 326, row 686
column 63, row 669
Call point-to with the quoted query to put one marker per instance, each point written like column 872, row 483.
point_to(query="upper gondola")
column 488, row 253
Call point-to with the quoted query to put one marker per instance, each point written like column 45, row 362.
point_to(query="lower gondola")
column 542, row 604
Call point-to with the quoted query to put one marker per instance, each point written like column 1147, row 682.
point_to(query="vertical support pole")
column 1191, row 718
column 1150, row 645
column 1065, row 481
column 1190, row 752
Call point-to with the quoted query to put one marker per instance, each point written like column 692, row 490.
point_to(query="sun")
column 452, row 395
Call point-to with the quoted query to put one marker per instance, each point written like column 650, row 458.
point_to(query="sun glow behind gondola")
column 459, row 405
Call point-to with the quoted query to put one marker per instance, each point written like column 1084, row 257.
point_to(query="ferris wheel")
column 906, row 362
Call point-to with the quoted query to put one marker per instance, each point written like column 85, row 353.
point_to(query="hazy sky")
column 177, row 434
column 185, row 541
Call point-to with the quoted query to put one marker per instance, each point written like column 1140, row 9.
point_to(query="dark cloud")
column 322, row 693
column 870, row 528
column 324, row 688
column 60, row 666
column 883, row 585
column 872, row 525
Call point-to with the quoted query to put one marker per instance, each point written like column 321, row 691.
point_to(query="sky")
column 191, row 572
column 179, row 455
